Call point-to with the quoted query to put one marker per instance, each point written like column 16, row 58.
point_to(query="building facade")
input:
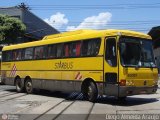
column 36, row 27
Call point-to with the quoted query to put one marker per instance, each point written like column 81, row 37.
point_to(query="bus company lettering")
column 64, row 65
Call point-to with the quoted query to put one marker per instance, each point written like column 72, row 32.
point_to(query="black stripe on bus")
column 60, row 58
column 57, row 80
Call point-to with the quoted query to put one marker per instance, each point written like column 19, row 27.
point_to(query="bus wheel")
column 29, row 86
column 90, row 92
column 19, row 85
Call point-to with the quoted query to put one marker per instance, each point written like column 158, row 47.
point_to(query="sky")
column 67, row 15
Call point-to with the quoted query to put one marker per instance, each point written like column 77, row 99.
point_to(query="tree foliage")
column 10, row 29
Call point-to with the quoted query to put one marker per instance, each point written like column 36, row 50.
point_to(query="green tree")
column 10, row 29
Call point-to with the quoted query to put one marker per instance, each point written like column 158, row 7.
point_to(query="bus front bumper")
column 122, row 91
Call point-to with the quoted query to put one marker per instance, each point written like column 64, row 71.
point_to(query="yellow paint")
column 89, row 67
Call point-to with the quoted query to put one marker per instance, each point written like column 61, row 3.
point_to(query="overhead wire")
column 86, row 7
column 122, row 24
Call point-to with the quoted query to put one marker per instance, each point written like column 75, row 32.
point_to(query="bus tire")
column 90, row 92
column 29, row 86
column 19, row 85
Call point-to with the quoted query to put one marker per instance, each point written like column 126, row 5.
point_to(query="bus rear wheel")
column 29, row 86
column 19, row 85
column 90, row 92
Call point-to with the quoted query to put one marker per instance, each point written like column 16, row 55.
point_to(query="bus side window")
column 45, row 51
column 59, row 50
column 14, row 54
column 52, row 51
column 75, row 49
column 19, row 54
column 84, row 48
column 4, row 56
column 66, row 50
column 96, row 46
column 7, row 56
column 72, row 49
column 91, row 47
column 28, row 53
column 110, row 53
column 22, row 54
column 39, row 52
column 78, row 48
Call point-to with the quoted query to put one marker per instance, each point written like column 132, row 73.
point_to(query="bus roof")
column 77, row 35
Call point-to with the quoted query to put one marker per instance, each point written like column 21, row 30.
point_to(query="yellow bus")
column 95, row 62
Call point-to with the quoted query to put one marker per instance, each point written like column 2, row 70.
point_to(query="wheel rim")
column 90, row 92
column 29, row 86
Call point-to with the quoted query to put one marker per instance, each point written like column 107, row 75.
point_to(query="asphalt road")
column 45, row 105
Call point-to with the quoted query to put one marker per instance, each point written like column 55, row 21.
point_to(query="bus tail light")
column 122, row 82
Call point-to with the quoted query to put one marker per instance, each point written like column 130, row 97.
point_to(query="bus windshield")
column 136, row 52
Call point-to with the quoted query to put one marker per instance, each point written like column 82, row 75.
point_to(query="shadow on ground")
column 130, row 101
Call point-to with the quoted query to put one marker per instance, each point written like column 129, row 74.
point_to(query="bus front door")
column 110, row 67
